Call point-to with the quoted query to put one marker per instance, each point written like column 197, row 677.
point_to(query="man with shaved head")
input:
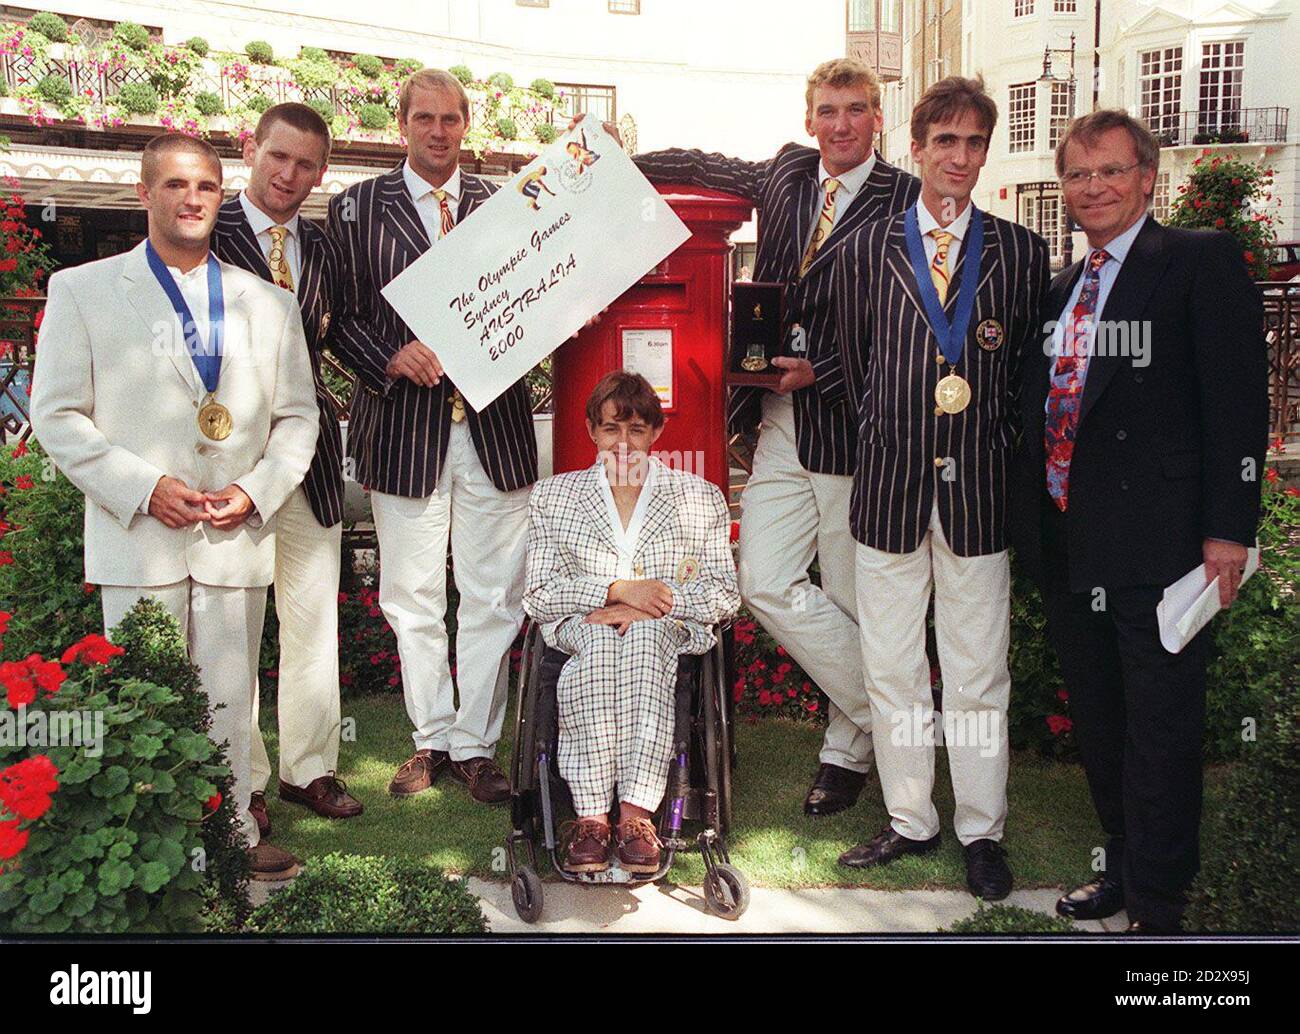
column 187, row 419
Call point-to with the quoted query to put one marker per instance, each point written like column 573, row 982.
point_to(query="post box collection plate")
column 757, row 333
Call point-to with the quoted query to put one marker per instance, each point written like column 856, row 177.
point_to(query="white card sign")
column 570, row 233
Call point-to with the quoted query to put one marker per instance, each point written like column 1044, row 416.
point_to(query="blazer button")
column 1123, row 486
column 938, row 410
column 1121, row 434
column 639, row 571
column 940, row 359
column 938, row 461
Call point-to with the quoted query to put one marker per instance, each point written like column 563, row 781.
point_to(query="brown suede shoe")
column 326, row 796
column 270, row 864
column 257, row 808
column 586, row 845
column 418, row 772
column 487, row 783
column 638, row 846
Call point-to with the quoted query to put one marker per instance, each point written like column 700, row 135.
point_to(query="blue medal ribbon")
column 205, row 354
column 952, row 336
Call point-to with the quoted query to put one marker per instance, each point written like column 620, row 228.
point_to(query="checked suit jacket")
column 318, row 292
column 399, row 431
column 573, row 557
column 786, row 193
column 908, row 452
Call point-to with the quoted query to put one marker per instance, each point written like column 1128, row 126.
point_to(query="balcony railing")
column 1221, row 126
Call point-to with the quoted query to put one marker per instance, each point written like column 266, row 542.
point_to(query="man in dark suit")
column 261, row 230
column 796, row 504
column 1139, row 461
column 935, row 309
column 435, row 467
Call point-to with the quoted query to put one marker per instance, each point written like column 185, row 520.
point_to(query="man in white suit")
column 187, row 416
column 629, row 566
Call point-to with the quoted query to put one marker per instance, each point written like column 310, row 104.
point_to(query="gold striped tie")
column 825, row 223
column 939, row 267
column 446, row 223
column 278, row 260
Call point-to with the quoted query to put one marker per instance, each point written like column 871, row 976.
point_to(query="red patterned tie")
column 1066, row 392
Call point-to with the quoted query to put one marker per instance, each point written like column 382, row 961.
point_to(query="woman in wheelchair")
column 629, row 566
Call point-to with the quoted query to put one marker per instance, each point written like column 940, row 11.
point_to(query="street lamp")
column 1072, row 84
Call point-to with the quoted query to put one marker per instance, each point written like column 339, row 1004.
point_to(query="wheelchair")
column 698, row 790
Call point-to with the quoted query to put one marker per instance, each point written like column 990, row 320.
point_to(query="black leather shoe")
column 987, row 874
column 1100, row 899
column 884, row 847
column 833, row 790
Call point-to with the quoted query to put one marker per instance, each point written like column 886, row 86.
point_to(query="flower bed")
column 191, row 89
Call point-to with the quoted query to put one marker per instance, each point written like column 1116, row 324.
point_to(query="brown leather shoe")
column 487, row 783
column 326, row 796
column 270, row 864
column 638, row 846
column 418, row 772
column 257, row 808
column 586, row 845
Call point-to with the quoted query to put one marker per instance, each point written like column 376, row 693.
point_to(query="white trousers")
column 488, row 530
column 790, row 515
column 223, row 629
column 972, row 617
column 307, row 563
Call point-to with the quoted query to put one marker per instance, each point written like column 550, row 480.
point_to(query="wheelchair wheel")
column 726, row 892
column 526, row 893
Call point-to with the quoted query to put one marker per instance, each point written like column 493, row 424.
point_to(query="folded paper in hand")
column 1189, row 604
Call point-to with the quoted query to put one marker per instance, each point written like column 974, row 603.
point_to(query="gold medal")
column 990, row 335
column 214, row 420
column 952, row 394
column 688, row 569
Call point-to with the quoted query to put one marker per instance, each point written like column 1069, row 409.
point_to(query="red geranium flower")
column 18, row 682
column 1059, row 724
column 19, row 451
column 92, row 649
column 25, row 788
column 12, row 839
column 23, row 481
column 212, row 803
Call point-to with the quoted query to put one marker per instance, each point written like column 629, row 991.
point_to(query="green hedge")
column 209, row 103
column 131, row 35
column 342, row 893
column 51, row 26
column 1009, row 919
column 260, row 52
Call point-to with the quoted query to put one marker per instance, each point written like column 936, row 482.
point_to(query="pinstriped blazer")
column 399, row 431
column 907, row 452
column 573, row 558
column 233, row 241
column 786, row 192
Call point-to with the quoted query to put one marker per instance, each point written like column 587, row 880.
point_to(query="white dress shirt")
column 426, row 204
column 262, row 223
column 626, row 538
column 851, row 183
column 926, row 222
column 1118, row 250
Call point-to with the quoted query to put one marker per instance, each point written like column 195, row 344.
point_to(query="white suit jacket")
column 684, row 541
column 115, row 404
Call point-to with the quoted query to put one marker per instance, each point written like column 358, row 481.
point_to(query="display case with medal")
column 757, row 335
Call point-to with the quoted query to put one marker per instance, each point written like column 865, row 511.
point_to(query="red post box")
column 671, row 327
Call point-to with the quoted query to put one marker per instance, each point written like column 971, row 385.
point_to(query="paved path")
column 665, row 908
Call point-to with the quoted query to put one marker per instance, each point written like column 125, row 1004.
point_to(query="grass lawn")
column 1051, row 829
